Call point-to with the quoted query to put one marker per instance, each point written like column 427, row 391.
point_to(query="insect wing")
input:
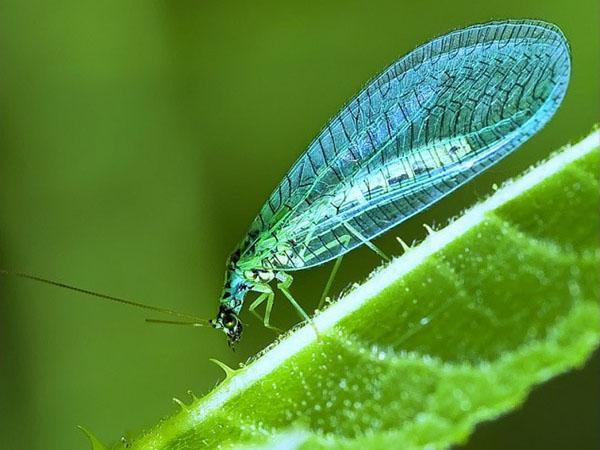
column 426, row 125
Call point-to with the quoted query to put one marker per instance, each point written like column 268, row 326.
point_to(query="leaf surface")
column 456, row 331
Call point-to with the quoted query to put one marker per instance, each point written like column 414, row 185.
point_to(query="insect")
column 426, row 125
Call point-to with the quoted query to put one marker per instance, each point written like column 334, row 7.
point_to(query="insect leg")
column 307, row 239
column 345, row 239
column 268, row 295
column 365, row 241
column 284, row 284
column 256, row 303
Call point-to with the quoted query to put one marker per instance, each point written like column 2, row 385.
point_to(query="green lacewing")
column 426, row 125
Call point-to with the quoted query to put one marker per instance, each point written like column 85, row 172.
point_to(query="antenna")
column 195, row 320
column 177, row 322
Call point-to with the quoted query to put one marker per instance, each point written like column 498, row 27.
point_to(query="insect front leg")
column 266, row 293
column 285, row 280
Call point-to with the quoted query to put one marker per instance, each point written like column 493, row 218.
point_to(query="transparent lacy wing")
column 429, row 123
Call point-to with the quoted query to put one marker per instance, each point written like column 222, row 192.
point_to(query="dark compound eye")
column 229, row 321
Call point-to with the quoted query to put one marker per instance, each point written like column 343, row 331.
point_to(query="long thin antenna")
column 104, row 296
column 177, row 322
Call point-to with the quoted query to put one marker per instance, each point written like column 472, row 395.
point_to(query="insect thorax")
column 243, row 274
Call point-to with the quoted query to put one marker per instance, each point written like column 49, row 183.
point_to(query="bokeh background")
column 138, row 140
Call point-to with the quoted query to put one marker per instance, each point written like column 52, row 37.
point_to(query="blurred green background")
column 139, row 139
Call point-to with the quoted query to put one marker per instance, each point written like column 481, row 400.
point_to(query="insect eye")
column 230, row 321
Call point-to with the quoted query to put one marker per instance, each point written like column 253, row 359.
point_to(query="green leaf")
column 456, row 331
